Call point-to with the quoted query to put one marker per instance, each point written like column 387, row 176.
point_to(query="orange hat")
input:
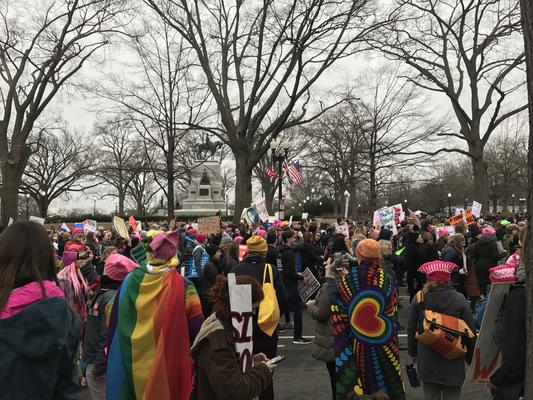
column 368, row 249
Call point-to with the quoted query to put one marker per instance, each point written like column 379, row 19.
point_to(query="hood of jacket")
column 210, row 325
column 51, row 321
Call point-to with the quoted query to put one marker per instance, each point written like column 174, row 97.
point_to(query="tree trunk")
column 527, row 25
column 269, row 198
column 121, row 202
column 43, row 207
column 372, row 201
column 243, row 185
column 11, row 180
column 170, row 191
column 481, row 177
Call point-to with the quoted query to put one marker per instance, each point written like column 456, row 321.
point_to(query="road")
column 300, row 376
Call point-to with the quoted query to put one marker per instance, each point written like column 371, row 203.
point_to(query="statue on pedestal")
column 207, row 149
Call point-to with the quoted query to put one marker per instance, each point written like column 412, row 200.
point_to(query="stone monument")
column 205, row 191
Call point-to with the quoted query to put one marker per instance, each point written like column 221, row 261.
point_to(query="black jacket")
column 485, row 255
column 208, row 278
column 95, row 337
column 286, row 264
column 310, row 259
column 38, row 347
column 272, row 255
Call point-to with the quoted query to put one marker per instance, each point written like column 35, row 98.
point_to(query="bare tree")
column 36, row 60
column 162, row 102
column 527, row 25
column 117, row 162
column 142, row 188
column 466, row 51
column 260, row 61
column 61, row 163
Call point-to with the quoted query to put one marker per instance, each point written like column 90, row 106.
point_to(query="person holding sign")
column 218, row 373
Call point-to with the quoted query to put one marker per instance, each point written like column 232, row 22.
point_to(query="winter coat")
column 451, row 254
column 271, row 255
column 286, row 263
column 38, row 347
column 432, row 367
column 320, row 311
column 485, row 255
column 217, row 371
column 310, row 259
column 509, row 378
column 207, row 280
column 95, row 337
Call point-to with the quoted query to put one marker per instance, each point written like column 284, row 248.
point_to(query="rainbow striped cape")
column 367, row 356
column 149, row 349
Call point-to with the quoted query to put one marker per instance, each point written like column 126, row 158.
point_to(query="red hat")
column 165, row 244
column 201, row 238
column 192, row 231
column 118, row 266
column 438, row 270
column 74, row 231
column 443, row 232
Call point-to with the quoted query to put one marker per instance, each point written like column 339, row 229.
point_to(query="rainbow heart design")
column 367, row 319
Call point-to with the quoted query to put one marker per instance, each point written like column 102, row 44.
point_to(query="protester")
column 366, row 347
column 411, row 257
column 231, row 256
column 286, row 264
column 442, row 241
column 154, row 320
column 265, row 338
column 320, row 310
column 485, row 255
column 310, row 258
column 454, row 252
column 212, row 268
column 440, row 376
column 200, row 257
column 39, row 332
column 116, row 268
column 218, row 374
column 510, row 240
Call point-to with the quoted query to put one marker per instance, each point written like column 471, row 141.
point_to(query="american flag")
column 294, row 173
column 270, row 172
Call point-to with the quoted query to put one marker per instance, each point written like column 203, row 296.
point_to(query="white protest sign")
column 271, row 219
column 276, row 215
column 120, row 227
column 487, row 357
column 240, row 300
column 476, row 209
column 305, row 215
column 309, row 287
column 290, row 221
column 386, row 214
column 399, row 214
column 39, row 220
column 261, row 208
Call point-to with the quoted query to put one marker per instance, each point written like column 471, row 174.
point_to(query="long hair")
column 435, row 286
column 457, row 241
column 232, row 251
column 26, row 255
column 219, row 295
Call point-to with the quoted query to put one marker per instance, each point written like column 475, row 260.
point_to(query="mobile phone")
column 276, row 360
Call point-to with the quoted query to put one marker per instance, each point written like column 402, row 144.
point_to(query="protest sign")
column 262, row 210
column 476, row 209
column 469, row 217
column 459, row 211
column 78, row 225
column 305, row 215
column 64, row 228
column 308, row 286
column 120, row 227
column 209, row 225
column 456, row 219
column 290, row 221
column 243, row 249
column 39, row 220
column 139, row 254
column 271, row 219
column 376, row 220
column 132, row 222
column 240, row 300
column 276, row 215
column 89, row 225
column 487, row 357
column 386, row 214
column 399, row 214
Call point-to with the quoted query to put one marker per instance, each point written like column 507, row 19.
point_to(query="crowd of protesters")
column 78, row 308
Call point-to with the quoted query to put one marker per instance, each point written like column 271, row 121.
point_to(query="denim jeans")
column 295, row 306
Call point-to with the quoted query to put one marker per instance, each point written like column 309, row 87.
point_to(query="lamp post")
column 405, row 204
column 279, row 150
column 27, row 206
column 449, row 204
column 513, row 196
column 347, row 201
column 226, row 206
column 94, row 207
column 466, row 203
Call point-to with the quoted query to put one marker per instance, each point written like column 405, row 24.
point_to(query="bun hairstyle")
column 219, row 294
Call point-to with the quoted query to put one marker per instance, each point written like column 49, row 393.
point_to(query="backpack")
column 444, row 334
column 268, row 314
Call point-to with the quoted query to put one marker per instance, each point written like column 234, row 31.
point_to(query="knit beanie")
column 201, row 238
column 69, row 257
column 489, row 231
column 118, row 266
column 226, row 239
column 256, row 244
column 164, row 245
column 368, row 249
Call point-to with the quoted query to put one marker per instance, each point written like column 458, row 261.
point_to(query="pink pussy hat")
column 118, row 266
column 165, row 245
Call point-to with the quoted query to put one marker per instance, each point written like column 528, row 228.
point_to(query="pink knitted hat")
column 238, row 239
column 262, row 233
column 438, row 270
column 118, row 266
column 488, row 231
column 165, row 245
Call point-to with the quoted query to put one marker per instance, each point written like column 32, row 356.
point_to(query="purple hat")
column 165, row 245
column 69, row 257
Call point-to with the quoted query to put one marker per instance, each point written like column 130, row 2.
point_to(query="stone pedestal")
column 205, row 191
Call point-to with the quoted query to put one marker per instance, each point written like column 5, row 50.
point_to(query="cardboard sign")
column 39, row 220
column 487, row 356
column 476, row 209
column 120, row 227
column 469, row 217
column 307, row 289
column 240, row 300
column 262, row 210
column 209, row 225
column 139, row 254
column 456, row 219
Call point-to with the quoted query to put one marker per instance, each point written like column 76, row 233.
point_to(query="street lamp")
column 347, row 196
column 94, row 207
column 320, row 203
column 466, row 203
column 27, row 206
column 513, row 196
column 450, row 204
column 279, row 150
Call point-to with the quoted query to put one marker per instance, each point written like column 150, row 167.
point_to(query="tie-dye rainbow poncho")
column 155, row 316
column 367, row 356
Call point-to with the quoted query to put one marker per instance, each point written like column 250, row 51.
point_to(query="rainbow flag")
column 155, row 316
